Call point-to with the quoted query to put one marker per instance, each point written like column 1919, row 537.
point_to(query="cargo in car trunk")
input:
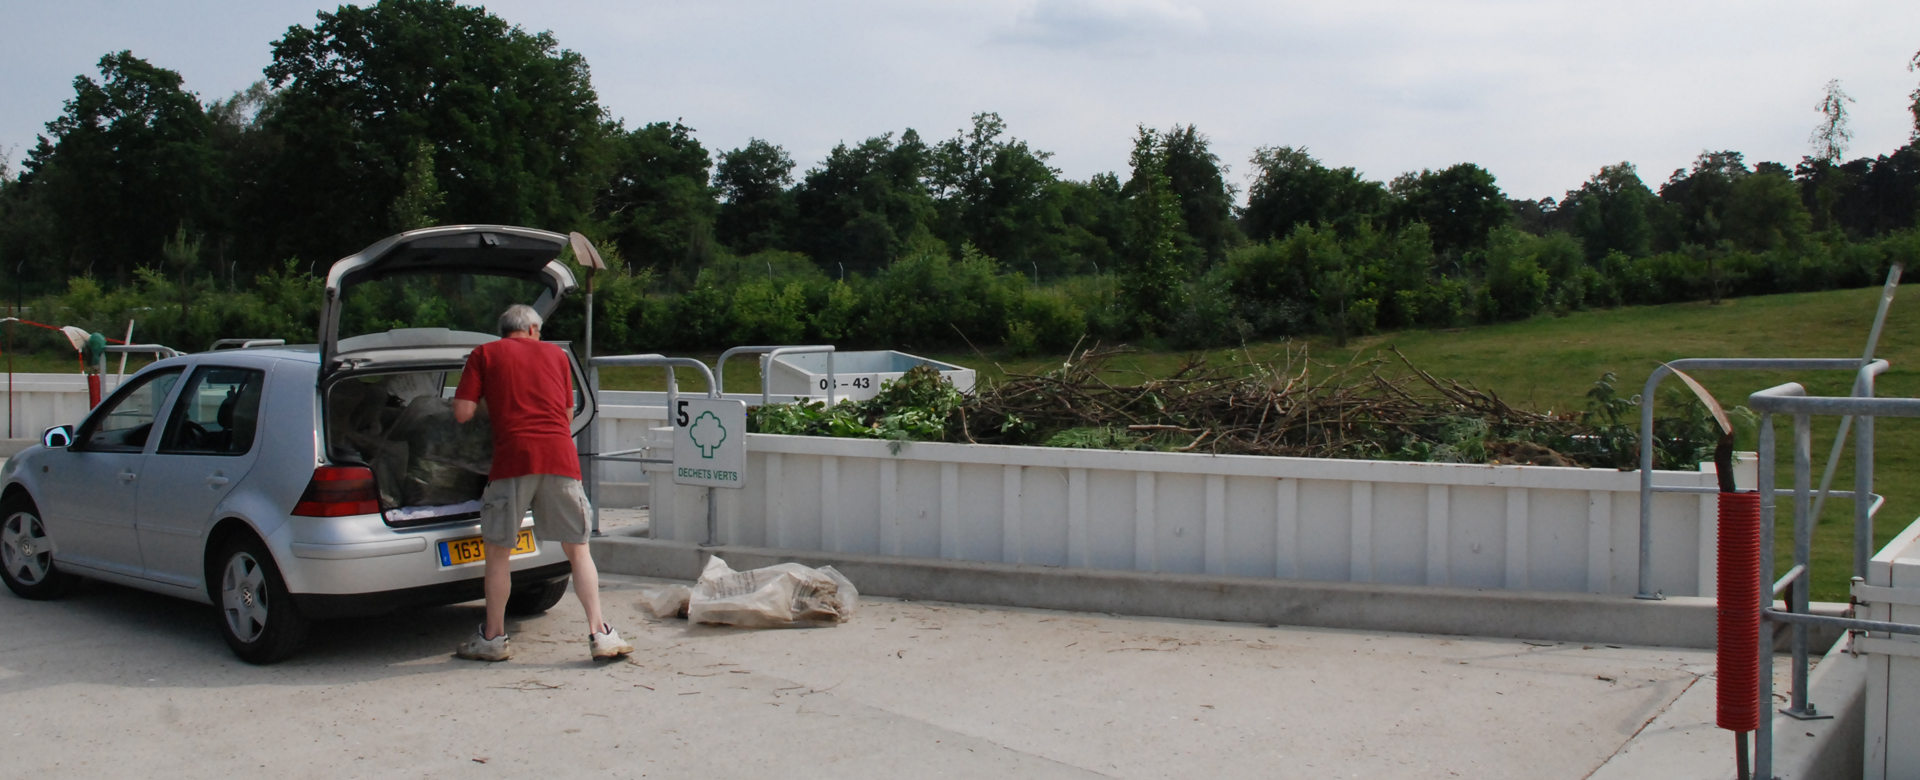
column 427, row 467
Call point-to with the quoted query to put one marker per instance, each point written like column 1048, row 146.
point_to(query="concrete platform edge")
column 1826, row 749
column 1570, row 617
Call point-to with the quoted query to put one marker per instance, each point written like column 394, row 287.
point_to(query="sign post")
column 709, row 449
column 709, row 442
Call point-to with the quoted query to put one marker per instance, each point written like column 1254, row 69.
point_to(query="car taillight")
column 337, row 491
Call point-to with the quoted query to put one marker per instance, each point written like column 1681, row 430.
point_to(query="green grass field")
column 1549, row 363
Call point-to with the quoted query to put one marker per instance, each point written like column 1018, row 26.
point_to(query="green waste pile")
column 1376, row 409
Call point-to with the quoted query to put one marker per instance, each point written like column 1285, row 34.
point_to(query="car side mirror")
column 58, row 437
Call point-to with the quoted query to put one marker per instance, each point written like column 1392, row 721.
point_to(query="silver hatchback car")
column 287, row 484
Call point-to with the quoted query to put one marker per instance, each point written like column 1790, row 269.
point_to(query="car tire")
column 529, row 600
column 26, row 554
column 257, row 615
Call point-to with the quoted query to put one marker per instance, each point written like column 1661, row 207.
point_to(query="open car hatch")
column 422, row 300
column 445, row 261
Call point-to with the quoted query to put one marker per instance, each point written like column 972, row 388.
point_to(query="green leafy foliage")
column 516, row 128
column 920, row 406
column 403, row 113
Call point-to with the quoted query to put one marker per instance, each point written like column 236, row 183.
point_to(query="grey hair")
column 519, row 317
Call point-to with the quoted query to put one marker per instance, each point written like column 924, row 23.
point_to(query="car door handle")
column 216, row 480
column 127, row 476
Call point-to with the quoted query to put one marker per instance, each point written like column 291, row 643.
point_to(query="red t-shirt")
column 528, row 387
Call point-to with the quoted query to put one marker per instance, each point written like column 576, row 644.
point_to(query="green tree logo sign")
column 707, row 433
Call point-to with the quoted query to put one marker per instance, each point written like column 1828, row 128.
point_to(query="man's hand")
column 463, row 410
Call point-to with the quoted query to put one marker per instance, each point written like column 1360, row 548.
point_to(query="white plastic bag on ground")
column 786, row 595
column 665, row 601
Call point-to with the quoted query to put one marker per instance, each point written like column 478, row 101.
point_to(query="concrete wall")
column 37, row 402
column 1508, row 527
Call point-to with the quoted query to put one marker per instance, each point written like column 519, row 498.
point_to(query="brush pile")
column 1375, row 409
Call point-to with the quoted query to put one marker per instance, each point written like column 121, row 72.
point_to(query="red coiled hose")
column 1737, row 655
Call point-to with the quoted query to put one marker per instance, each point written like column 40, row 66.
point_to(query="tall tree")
column 1094, row 216
column 1914, row 107
column 243, row 241
column 1831, row 136
column 1460, row 206
column 1290, row 188
column 658, row 206
column 1611, row 212
column 1206, row 200
column 996, row 193
column 865, row 203
column 1764, row 210
column 1698, row 198
column 756, row 202
column 1155, row 268
column 129, row 162
column 517, row 132
column 1876, row 195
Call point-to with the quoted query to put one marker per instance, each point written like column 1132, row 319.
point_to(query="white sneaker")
column 479, row 648
column 606, row 643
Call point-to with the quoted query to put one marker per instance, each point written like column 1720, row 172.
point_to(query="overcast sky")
column 1541, row 93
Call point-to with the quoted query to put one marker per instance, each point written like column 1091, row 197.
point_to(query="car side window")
column 218, row 413
column 124, row 421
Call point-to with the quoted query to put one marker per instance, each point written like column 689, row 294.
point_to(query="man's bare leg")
column 499, row 587
column 586, row 583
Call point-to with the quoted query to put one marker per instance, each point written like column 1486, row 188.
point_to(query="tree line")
column 213, row 218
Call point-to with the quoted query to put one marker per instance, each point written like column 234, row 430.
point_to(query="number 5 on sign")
column 710, row 442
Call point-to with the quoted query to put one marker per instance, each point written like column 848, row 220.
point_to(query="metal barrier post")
column 590, row 466
column 1862, row 489
column 1802, row 559
column 1763, row 734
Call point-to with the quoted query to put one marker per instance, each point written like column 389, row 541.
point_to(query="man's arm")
column 467, row 396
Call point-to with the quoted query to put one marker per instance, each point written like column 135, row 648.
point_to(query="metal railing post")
column 1763, row 734
column 1862, row 488
column 1802, row 557
column 1646, row 483
column 591, row 466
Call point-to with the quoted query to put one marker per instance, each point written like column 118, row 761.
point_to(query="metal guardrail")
column 768, row 354
column 592, row 481
column 161, row 350
column 1792, row 399
column 1866, row 369
column 1647, row 488
column 245, row 344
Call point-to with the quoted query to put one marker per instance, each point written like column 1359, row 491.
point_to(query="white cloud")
column 1103, row 24
column 1541, row 93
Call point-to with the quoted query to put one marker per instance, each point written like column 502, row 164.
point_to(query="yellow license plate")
column 454, row 552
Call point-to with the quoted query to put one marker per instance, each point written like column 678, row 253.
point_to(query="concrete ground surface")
column 115, row 682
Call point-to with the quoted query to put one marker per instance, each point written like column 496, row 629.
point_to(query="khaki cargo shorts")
column 559, row 509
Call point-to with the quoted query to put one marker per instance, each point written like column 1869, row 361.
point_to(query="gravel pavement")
column 113, row 682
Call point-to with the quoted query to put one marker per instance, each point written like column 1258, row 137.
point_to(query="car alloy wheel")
column 243, row 597
column 25, row 549
column 260, row 621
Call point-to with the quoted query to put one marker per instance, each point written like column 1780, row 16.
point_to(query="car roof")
column 258, row 357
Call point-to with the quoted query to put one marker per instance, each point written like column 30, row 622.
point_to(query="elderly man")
column 528, row 389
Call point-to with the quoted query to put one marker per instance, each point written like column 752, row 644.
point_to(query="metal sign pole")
column 589, row 260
